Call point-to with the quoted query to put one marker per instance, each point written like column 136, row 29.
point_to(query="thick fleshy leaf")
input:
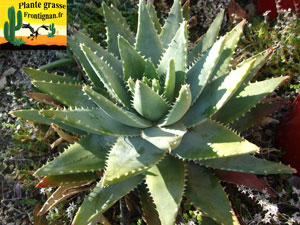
column 100, row 52
column 145, row 100
column 247, row 164
column 117, row 113
column 172, row 24
column 207, row 39
column 129, row 157
column 246, row 99
column 165, row 138
column 68, row 94
column 114, row 28
column 212, row 140
column 44, row 98
column 201, row 71
column 33, row 115
column 112, row 82
column 230, row 45
column 150, row 215
column 216, row 94
column 66, row 179
column 147, row 40
column 205, row 192
column 170, row 82
column 88, row 154
column 102, row 198
column 153, row 16
column 150, row 70
column 133, row 62
column 166, row 185
column 180, row 107
column 91, row 120
column 48, row 77
column 177, row 50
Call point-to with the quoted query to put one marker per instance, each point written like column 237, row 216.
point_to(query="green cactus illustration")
column 52, row 29
column 9, row 27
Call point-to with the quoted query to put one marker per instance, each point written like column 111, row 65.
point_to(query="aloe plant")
column 155, row 117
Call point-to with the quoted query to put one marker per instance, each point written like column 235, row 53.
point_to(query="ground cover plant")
column 162, row 108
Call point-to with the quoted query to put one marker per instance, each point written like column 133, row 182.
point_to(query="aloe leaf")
column 212, row 140
column 177, row 50
column 91, row 120
column 247, row 164
column 202, row 70
column 117, row 113
column 88, row 154
column 165, row 138
column 206, row 193
column 33, row 115
column 150, row 215
column 114, row 28
column 232, row 39
column 44, row 98
column 112, row 82
column 153, row 15
column 119, row 16
column 246, row 99
column 133, row 62
column 216, row 94
column 100, row 52
column 48, row 77
column 102, row 198
column 66, row 179
column 68, row 94
column 170, row 81
column 147, row 40
column 145, row 100
column 207, row 39
column 150, row 70
column 129, row 157
column 172, row 24
column 166, row 185
column 186, row 10
column 180, row 107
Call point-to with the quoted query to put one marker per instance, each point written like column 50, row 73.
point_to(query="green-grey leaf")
column 68, row 94
column 166, row 185
column 172, row 24
column 170, row 81
column 112, row 82
column 148, row 103
column 117, row 113
column 147, row 40
column 48, row 77
column 129, row 157
column 133, row 62
column 180, row 107
column 100, row 52
column 177, row 50
column 246, row 99
column 216, row 94
column 247, row 164
column 201, row 71
column 88, row 154
column 114, row 28
column 153, row 16
column 205, row 192
column 33, row 115
column 207, row 39
column 230, row 45
column 165, row 138
column 212, row 140
column 102, row 198
column 150, row 70
column 91, row 120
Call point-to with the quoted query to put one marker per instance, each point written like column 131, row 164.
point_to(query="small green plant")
column 18, row 42
column 154, row 116
column 9, row 26
column 53, row 31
